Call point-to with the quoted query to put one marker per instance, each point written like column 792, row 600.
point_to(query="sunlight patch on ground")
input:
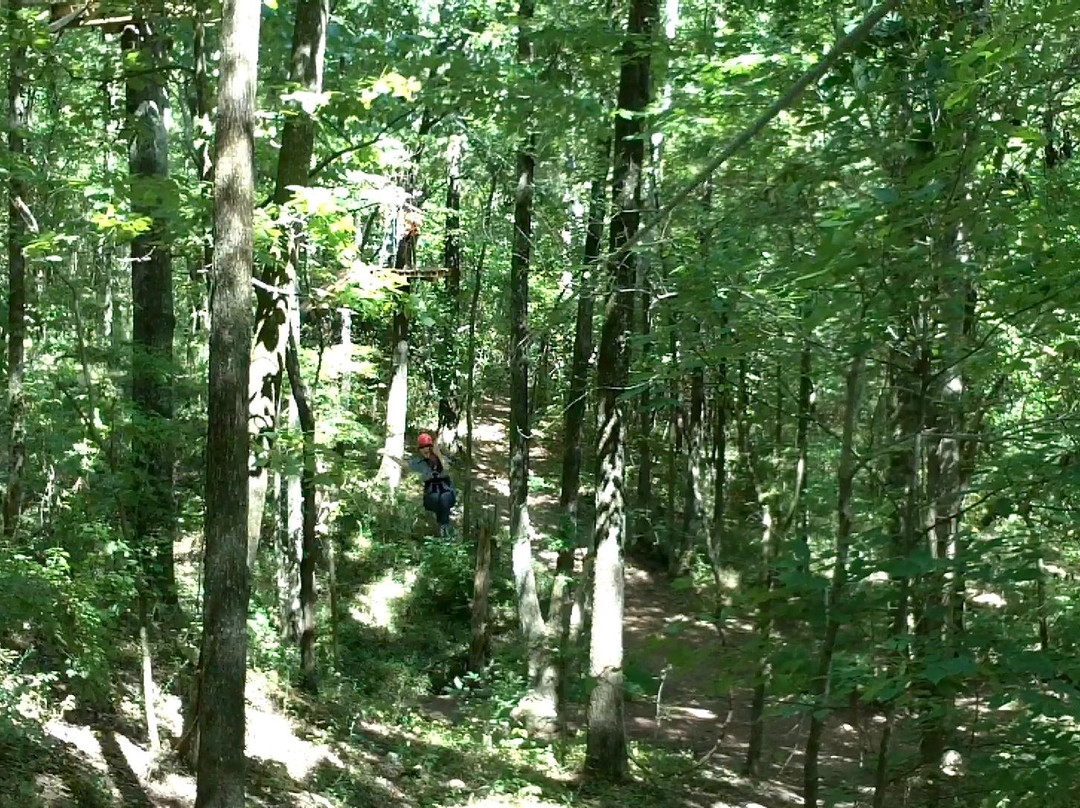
column 693, row 712
column 270, row 737
column 506, row 801
column 81, row 738
column 489, row 432
column 376, row 605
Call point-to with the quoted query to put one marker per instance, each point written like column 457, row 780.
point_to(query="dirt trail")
column 675, row 652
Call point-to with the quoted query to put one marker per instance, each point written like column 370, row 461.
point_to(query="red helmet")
column 425, row 440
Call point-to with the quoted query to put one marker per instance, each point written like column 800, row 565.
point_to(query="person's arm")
column 443, row 462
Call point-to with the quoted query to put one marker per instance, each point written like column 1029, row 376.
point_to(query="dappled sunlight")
column 271, row 737
column 377, row 603
column 80, row 738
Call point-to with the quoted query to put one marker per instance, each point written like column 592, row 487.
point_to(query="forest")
column 737, row 341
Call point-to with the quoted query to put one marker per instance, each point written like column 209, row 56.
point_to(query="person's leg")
column 443, row 513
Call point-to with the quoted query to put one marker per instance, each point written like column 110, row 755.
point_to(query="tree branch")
column 788, row 99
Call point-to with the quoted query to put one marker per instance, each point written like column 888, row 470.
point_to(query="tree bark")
column 480, row 645
column 798, row 513
column 537, row 709
column 397, row 399
column 565, row 597
column 448, row 385
column 201, row 107
column 845, row 475
column 153, row 320
column 290, row 494
column 695, row 449
column 221, row 762
column 606, row 751
column 452, row 244
column 719, row 514
column 309, row 542
column 276, row 285
column 16, row 236
column 644, row 510
column 906, row 416
column 577, row 392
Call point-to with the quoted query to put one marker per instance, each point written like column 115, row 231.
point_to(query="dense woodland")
column 748, row 331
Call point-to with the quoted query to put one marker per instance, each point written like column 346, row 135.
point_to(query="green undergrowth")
column 462, row 748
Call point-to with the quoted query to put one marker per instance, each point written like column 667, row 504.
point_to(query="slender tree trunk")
column 798, row 513
column 564, row 597
column 906, row 416
column 16, row 261
column 397, row 399
column 275, row 288
column 221, row 762
column 695, row 449
column 844, row 528
column 766, row 498
column 309, row 541
column 449, row 389
column 719, row 514
column 452, row 244
column 290, row 495
column 470, row 372
column 149, row 690
column 538, row 708
column 606, row 752
column 201, row 111
column 153, row 321
column 674, row 450
column 644, row 509
column 948, row 474
column 480, row 645
column 577, row 392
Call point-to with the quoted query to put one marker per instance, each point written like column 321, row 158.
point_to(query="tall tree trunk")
column 845, row 475
column 577, row 391
column 221, row 762
column 538, row 708
column 448, row 385
column 153, row 321
column 695, row 448
column 644, row 509
column 674, row 447
column 276, row 285
column 565, row 598
column 16, row 235
column 452, row 244
column 765, row 497
column 574, row 423
column 290, row 493
column 480, row 645
column 606, row 753
column 798, row 513
column 201, row 106
column 719, row 514
column 949, row 471
column 397, row 399
column 906, row 415
column 309, row 541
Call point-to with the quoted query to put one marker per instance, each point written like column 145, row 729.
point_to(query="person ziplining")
column 433, row 469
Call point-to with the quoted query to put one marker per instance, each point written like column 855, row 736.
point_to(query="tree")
column 606, row 752
column 221, row 762
column 276, row 316
column 153, row 320
column 18, row 213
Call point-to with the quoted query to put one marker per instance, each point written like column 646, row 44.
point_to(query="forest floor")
column 690, row 734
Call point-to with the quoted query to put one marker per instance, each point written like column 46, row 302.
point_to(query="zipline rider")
column 439, row 493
